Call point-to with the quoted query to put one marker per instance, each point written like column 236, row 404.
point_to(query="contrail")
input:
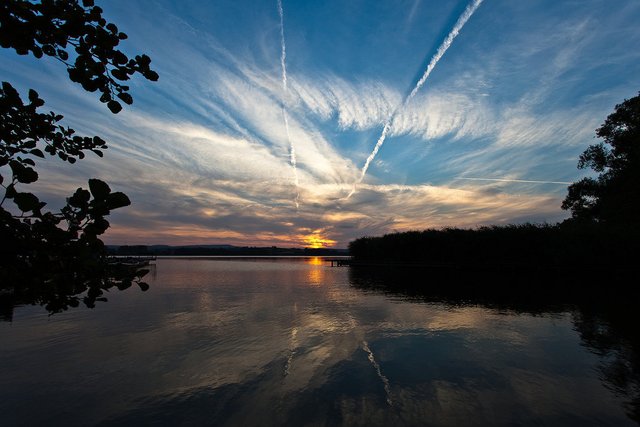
column 471, row 8
column 383, row 136
column 285, row 90
column 516, row 180
column 445, row 45
column 385, row 381
column 292, row 350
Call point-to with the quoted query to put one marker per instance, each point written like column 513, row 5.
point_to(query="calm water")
column 296, row 342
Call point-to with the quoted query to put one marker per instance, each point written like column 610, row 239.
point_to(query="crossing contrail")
column 376, row 366
column 292, row 350
column 516, row 180
column 285, row 90
column 471, row 8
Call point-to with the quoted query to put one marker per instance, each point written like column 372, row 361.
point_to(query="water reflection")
column 317, row 267
column 315, row 276
column 58, row 292
column 606, row 323
column 614, row 336
column 316, row 260
column 229, row 342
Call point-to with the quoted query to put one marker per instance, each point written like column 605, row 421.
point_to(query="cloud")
column 520, row 127
column 193, row 181
column 439, row 114
column 259, row 214
column 356, row 105
column 204, row 152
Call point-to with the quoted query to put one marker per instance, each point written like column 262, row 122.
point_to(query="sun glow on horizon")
column 316, row 241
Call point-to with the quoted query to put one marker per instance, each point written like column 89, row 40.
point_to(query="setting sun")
column 316, row 241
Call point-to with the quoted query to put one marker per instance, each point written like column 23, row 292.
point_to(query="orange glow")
column 314, row 261
column 315, row 276
column 159, row 232
column 315, row 241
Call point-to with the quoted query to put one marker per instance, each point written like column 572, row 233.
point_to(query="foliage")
column 52, row 258
column 614, row 196
column 54, row 27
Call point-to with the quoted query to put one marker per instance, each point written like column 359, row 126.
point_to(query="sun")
column 316, row 241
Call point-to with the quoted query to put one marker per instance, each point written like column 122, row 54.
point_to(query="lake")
column 294, row 341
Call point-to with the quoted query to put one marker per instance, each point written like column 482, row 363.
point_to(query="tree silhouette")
column 45, row 257
column 614, row 196
column 53, row 27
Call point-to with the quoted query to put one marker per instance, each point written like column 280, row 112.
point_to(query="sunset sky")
column 491, row 136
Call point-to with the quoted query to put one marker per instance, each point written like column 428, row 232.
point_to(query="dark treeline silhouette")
column 222, row 250
column 605, row 321
column 572, row 246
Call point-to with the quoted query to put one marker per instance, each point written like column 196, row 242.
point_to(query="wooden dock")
column 340, row 262
column 133, row 261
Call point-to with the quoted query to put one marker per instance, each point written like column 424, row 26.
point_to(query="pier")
column 135, row 261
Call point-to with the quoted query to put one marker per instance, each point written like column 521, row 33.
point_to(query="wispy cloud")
column 205, row 156
column 514, row 180
column 432, row 64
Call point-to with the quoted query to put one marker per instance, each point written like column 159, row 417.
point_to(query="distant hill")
column 220, row 250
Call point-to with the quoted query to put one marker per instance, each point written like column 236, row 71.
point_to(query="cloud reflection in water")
column 231, row 342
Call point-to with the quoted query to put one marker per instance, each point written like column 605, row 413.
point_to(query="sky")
column 262, row 127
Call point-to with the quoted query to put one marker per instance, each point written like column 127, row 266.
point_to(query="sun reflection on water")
column 315, row 274
column 316, row 260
